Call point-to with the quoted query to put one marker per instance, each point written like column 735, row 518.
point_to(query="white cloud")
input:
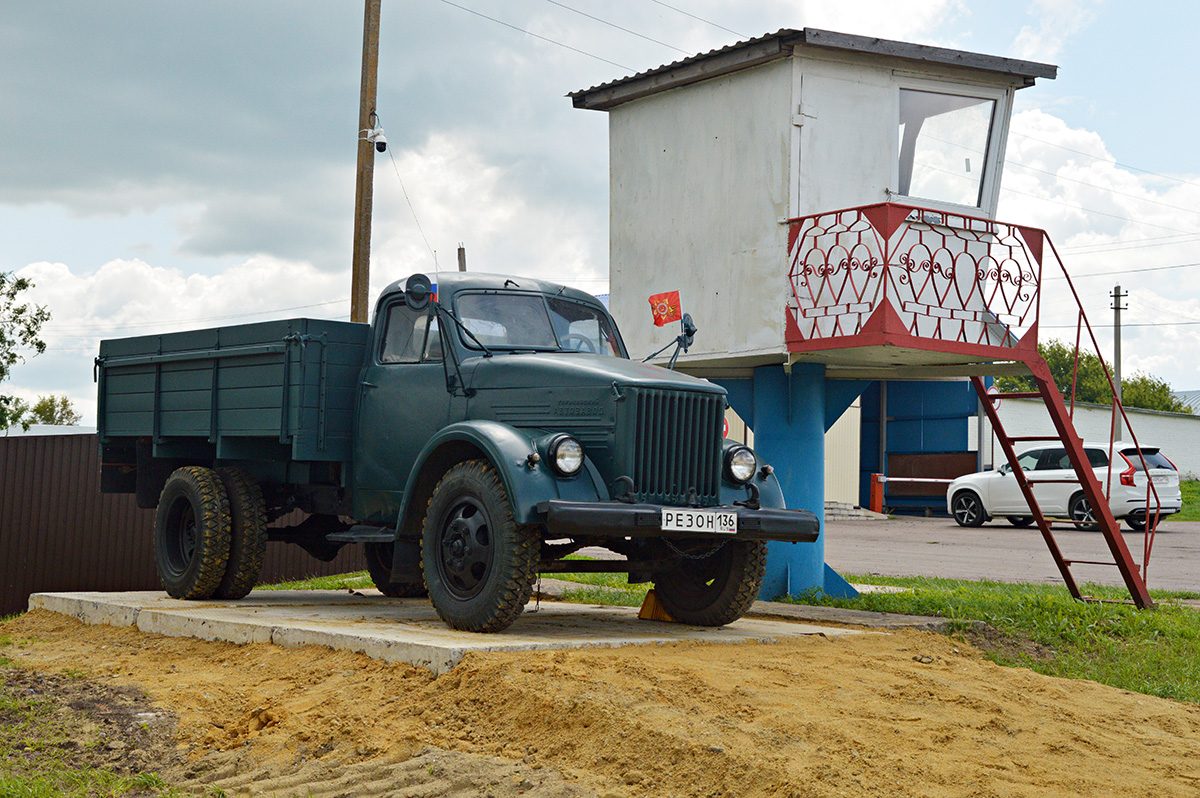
column 131, row 297
column 1058, row 21
column 1111, row 225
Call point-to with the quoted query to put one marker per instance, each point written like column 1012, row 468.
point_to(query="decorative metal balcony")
column 933, row 287
column 893, row 291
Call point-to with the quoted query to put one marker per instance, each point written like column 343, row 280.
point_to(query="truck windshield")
column 537, row 322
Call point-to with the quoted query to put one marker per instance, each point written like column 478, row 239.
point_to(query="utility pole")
column 462, row 258
column 360, row 266
column 1117, row 296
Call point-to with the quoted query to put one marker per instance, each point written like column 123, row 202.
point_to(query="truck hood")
column 575, row 370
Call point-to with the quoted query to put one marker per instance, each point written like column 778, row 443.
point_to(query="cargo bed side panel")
column 292, row 383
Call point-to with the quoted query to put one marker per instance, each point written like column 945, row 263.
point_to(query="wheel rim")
column 698, row 582
column 965, row 510
column 180, row 531
column 1082, row 512
column 466, row 548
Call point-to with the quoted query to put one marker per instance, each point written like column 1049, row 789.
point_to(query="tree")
column 1091, row 384
column 20, row 325
column 53, row 409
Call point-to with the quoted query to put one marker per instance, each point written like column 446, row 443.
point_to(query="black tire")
column 1136, row 524
column 479, row 565
column 379, row 564
column 968, row 509
column 248, row 534
column 717, row 589
column 1019, row 520
column 191, row 533
column 1080, row 512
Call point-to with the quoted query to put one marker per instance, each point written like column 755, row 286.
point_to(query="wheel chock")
column 653, row 610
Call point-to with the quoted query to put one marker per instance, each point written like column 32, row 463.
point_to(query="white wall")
column 1178, row 435
column 698, row 185
column 841, row 456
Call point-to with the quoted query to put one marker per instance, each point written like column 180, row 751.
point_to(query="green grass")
column 1041, row 627
column 1191, row 501
column 348, row 581
column 33, row 738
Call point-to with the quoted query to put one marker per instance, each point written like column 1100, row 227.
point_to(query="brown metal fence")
column 59, row 533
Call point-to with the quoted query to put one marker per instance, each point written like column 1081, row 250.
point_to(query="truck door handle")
column 368, row 384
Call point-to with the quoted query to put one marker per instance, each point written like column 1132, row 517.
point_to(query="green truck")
column 479, row 431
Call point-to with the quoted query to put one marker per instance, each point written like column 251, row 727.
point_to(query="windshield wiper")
column 448, row 312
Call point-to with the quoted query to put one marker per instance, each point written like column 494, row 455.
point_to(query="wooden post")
column 360, row 266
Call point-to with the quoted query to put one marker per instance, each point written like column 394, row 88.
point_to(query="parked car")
column 975, row 498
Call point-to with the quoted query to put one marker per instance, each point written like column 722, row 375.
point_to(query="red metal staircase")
column 893, row 292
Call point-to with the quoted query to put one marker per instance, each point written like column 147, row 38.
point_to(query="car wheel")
column 191, row 533
column 479, row 565
column 379, row 558
column 1080, row 511
column 717, row 587
column 1019, row 520
column 1136, row 524
column 968, row 509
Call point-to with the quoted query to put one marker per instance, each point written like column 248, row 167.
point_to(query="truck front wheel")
column 479, row 565
column 714, row 589
column 191, row 533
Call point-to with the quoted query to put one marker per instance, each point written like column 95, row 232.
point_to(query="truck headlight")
column 566, row 455
column 740, row 464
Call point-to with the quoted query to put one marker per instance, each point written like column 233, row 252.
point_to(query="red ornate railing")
column 907, row 277
column 947, row 277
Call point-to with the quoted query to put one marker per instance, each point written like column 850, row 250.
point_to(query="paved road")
column 939, row 547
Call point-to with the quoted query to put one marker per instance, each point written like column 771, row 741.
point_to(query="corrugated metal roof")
column 1189, row 398
column 751, row 52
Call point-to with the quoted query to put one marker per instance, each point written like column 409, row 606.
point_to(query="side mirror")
column 689, row 331
column 417, row 292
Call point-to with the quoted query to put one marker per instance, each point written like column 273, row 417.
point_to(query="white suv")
column 975, row 498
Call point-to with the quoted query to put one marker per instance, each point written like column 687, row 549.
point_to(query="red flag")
column 665, row 308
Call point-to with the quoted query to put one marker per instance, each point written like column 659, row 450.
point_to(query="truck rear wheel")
column 717, row 589
column 479, row 565
column 191, row 533
column 248, row 534
column 379, row 558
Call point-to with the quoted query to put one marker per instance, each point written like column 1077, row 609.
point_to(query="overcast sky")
column 175, row 165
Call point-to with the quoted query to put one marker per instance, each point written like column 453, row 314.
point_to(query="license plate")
column 1161, row 480
column 701, row 521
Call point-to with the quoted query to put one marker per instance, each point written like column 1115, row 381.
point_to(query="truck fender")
column 770, row 494
column 508, row 450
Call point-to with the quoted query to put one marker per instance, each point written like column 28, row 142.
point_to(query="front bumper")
column 617, row 519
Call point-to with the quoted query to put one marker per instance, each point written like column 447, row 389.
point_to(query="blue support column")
column 788, row 413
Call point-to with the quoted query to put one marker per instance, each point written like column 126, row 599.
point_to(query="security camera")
column 375, row 136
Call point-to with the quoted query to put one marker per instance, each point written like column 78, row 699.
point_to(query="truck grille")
column 677, row 446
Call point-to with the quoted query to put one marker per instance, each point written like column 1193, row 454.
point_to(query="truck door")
column 403, row 401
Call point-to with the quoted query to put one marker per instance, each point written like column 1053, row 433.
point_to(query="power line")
column 1105, row 160
column 131, row 325
column 411, row 209
column 700, row 19
column 1134, row 243
column 1127, row 271
column 1106, row 189
column 617, row 27
column 537, row 35
column 1096, row 212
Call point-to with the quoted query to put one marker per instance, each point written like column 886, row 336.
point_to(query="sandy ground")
column 902, row 714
